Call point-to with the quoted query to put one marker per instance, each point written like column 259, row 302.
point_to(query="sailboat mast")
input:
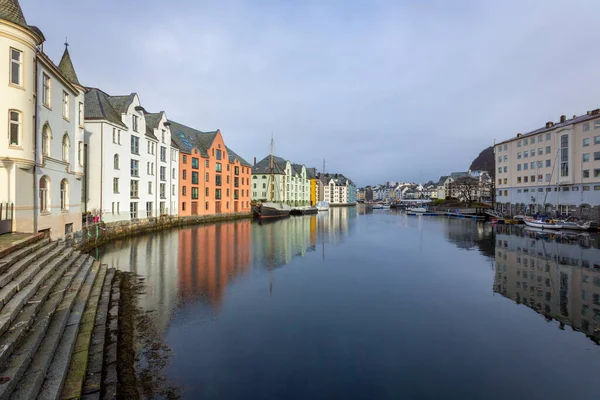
column 271, row 166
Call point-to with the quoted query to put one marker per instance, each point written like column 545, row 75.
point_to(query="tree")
column 465, row 188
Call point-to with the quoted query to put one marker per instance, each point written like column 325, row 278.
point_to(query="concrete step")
column 19, row 254
column 78, row 365
column 109, row 373
column 26, row 317
column 57, row 372
column 62, row 299
column 19, row 265
column 25, row 343
column 19, row 291
column 19, row 244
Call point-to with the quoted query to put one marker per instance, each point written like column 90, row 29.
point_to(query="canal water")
column 372, row 304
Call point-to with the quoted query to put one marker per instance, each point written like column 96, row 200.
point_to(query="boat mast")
column 271, row 166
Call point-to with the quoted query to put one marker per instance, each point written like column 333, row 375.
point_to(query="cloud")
column 384, row 90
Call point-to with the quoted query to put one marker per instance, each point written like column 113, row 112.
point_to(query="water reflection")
column 557, row 275
column 467, row 234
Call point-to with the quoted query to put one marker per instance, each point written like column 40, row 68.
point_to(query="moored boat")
column 417, row 210
column 323, row 206
column 538, row 223
column 273, row 210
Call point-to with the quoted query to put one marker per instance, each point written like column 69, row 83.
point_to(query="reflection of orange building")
column 213, row 179
column 212, row 256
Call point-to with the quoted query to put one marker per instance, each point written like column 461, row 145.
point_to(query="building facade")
column 213, row 179
column 41, row 160
column 552, row 169
column 281, row 182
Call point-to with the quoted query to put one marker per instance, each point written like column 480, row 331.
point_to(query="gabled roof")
column 98, row 107
column 311, row 173
column 297, row 168
column 264, row 166
column 152, row 120
column 188, row 138
column 121, row 103
column 66, row 67
column 456, row 175
column 232, row 155
column 442, row 179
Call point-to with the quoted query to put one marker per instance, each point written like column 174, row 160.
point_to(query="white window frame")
column 65, row 106
column 15, row 63
column 47, row 90
column 17, row 124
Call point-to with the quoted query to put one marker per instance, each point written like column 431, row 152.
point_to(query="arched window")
column 64, row 194
column 116, row 161
column 44, row 194
column 46, row 137
column 66, row 146
column 15, row 128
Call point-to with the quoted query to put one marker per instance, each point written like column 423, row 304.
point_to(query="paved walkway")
column 8, row 239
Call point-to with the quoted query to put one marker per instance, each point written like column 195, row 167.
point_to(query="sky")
column 382, row 90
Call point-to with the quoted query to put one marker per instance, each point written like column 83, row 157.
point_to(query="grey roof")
column 121, row 103
column 10, row 10
column 442, row 179
column 152, row 120
column 297, row 168
column 311, row 173
column 187, row 138
column 264, row 166
column 233, row 156
column 456, row 175
column 98, row 107
column 66, row 68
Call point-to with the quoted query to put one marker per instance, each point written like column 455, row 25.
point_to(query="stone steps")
column 53, row 384
column 19, row 254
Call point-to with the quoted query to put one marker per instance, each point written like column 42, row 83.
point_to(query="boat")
column 381, row 206
column 272, row 209
column 416, row 210
column 323, row 206
column 576, row 225
column 307, row 210
column 538, row 223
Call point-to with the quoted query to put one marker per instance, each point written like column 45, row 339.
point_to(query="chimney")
column 563, row 118
column 255, row 161
column 574, row 116
column 549, row 124
column 596, row 111
column 519, row 134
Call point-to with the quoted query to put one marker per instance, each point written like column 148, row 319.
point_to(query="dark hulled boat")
column 272, row 210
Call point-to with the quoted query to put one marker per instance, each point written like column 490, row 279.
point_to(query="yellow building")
column 311, row 174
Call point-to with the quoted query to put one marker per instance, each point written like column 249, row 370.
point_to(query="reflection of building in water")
column 335, row 224
column 467, row 234
column 154, row 257
column 210, row 257
column 558, row 280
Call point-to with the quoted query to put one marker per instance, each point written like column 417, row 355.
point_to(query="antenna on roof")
column 66, row 43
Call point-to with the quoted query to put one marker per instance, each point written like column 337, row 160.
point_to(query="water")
column 367, row 304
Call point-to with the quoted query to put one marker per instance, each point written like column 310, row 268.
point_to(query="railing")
column 6, row 217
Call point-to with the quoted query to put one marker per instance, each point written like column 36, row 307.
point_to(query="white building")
column 289, row 185
column 130, row 168
column 41, row 155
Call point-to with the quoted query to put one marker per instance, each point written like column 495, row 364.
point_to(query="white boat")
column 381, row 206
column 323, row 206
column 416, row 210
column 538, row 223
column 575, row 226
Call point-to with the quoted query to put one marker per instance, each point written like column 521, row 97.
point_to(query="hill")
column 484, row 161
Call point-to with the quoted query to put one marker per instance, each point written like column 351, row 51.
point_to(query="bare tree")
column 465, row 188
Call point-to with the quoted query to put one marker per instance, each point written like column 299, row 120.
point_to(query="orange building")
column 213, row 179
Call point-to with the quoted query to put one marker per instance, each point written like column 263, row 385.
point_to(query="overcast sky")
column 383, row 90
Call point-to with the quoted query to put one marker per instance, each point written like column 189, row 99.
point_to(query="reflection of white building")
column 557, row 280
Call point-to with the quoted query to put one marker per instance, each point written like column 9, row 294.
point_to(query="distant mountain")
column 484, row 161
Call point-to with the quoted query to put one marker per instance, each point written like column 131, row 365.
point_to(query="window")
column 116, row 161
column 586, row 173
column 564, row 155
column 525, row 142
column 173, row 174
column 114, row 135
column 518, row 179
column 506, row 192
column 586, row 188
column 15, row 128
column 586, row 126
column 194, row 177
column 135, row 168
column 66, row 147
column 519, row 143
column 218, row 154
column 505, row 181
column 548, row 163
column 206, row 163
column 525, row 179
column 133, row 210
column 195, row 163
column 519, row 155
column 163, row 136
column 235, row 194
column 236, row 182
column 184, row 191
column 218, row 194
column 65, row 97
column 80, row 153
column 195, row 193
column 184, row 159
column 219, row 168
column 518, row 167
column 46, row 96
column 135, row 145
column 586, row 142
column 505, row 169
column 133, row 188
column 218, row 180
column 525, row 154
column 540, row 177
column 163, row 173
column 236, row 170
column 597, row 124
column 135, row 122
column 499, row 170
column 597, row 187
column 148, row 209
column 596, row 155
column 80, row 115
column 149, row 187
column 540, row 164
column 206, row 192
column 207, row 177
column 64, row 194
column 548, row 136
column 163, row 154
column 585, row 157
column 44, row 194
column 596, row 173
column 46, row 137
column 540, row 138
column 526, row 166
column 16, row 67
column 206, row 205
column 540, row 151
column 163, row 190
column 532, row 178
column 115, row 185
column 532, row 165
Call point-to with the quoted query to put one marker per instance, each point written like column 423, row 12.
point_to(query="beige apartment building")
column 554, row 168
